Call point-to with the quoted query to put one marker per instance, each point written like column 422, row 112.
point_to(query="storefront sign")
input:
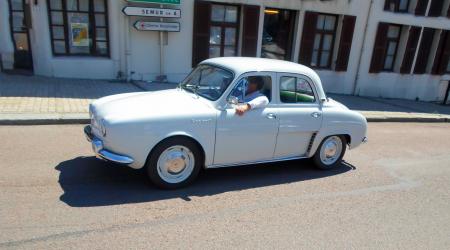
column 153, row 12
column 156, row 1
column 80, row 34
column 157, row 26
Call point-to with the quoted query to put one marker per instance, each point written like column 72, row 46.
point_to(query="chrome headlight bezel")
column 102, row 127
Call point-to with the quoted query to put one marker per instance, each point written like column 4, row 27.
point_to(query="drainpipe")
column 355, row 85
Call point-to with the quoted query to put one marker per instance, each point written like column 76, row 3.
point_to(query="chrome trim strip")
column 115, row 157
column 256, row 162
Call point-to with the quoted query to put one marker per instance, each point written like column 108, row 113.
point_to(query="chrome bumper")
column 97, row 147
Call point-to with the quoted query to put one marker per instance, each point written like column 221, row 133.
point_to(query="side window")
column 295, row 90
column 255, row 84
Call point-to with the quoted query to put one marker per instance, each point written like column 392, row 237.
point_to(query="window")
column 323, row 41
column 295, row 90
column 278, row 34
column 392, row 39
column 397, row 5
column 223, row 33
column 79, row 27
column 264, row 87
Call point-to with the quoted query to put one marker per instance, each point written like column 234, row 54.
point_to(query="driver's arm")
column 258, row 102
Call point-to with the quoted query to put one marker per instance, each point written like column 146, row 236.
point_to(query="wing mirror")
column 233, row 100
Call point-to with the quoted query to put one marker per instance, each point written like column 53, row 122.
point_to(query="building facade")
column 381, row 48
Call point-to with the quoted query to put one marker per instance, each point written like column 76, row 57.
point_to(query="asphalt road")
column 393, row 192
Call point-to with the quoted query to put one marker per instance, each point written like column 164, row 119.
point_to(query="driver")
column 253, row 99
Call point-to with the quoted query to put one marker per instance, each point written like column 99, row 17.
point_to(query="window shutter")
column 387, row 3
column 250, row 30
column 448, row 12
column 436, row 8
column 27, row 16
column 411, row 46
column 200, row 43
column 345, row 43
column 379, row 48
column 421, row 7
column 307, row 44
column 442, row 54
column 424, row 51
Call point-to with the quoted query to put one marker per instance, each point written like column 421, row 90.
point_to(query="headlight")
column 102, row 127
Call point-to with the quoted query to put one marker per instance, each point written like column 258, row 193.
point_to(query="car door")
column 250, row 137
column 299, row 114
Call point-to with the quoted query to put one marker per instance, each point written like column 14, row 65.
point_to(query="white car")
column 175, row 133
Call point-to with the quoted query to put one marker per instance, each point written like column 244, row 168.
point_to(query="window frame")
column 93, row 34
column 388, row 40
column 223, row 25
column 322, row 33
column 304, row 77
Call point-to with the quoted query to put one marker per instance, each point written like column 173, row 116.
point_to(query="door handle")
column 271, row 116
column 316, row 114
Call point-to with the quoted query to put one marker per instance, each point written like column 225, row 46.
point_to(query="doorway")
column 278, row 33
column 20, row 23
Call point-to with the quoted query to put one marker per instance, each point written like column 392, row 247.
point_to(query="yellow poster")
column 80, row 34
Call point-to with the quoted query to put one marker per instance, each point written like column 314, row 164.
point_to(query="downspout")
column 355, row 85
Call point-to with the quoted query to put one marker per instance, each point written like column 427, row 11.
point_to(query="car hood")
column 146, row 105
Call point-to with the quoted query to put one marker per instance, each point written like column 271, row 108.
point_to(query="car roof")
column 242, row 65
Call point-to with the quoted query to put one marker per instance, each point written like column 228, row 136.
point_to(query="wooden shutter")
column 345, row 43
column 309, row 32
column 448, row 12
column 376, row 65
column 421, row 7
column 411, row 46
column 436, row 8
column 250, row 30
column 442, row 54
column 424, row 51
column 27, row 16
column 200, row 43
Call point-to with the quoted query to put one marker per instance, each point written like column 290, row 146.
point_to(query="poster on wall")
column 80, row 34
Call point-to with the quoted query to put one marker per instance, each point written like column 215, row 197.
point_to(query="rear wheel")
column 174, row 163
column 330, row 152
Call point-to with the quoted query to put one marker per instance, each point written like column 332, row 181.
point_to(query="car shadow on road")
column 89, row 182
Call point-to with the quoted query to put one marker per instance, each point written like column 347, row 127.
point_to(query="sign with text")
column 157, row 26
column 156, row 1
column 151, row 12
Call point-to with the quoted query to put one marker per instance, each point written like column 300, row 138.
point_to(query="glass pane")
column 317, row 41
column 101, row 34
column 388, row 62
column 55, row 4
column 320, row 22
column 277, row 34
column 324, row 59
column 99, row 5
column 100, row 20
column 393, row 31
column 16, row 4
column 58, row 32
column 229, row 51
column 57, row 18
column 403, row 5
column 230, row 36
column 304, row 92
column 391, row 48
column 315, row 54
column 79, row 34
column 214, row 51
column 327, row 40
column 18, row 19
column 217, row 13
column 215, row 35
column 287, row 89
column 231, row 13
column 102, row 48
column 59, row 47
column 84, row 5
column 21, row 40
column 71, row 5
column 448, row 66
column 329, row 22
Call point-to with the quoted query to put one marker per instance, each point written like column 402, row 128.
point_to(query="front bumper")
column 97, row 147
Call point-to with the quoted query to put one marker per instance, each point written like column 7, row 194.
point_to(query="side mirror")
column 233, row 100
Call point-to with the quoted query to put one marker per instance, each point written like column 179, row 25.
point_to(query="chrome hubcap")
column 331, row 150
column 176, row 164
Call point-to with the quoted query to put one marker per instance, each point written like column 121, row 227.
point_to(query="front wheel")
column 174, row 163
column 330, row 152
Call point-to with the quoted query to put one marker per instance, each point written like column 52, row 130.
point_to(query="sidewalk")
column 42, row 100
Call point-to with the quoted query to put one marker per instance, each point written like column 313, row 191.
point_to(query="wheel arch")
column 320, row 137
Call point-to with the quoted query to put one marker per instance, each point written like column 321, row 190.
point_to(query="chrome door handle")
column 271, row 116
column 316, row 114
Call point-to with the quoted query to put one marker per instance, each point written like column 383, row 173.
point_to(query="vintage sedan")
column 175, row 133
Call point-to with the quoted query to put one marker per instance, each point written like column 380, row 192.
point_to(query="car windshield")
column 207, row 81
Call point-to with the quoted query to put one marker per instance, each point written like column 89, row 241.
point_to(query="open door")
column 20, row 21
